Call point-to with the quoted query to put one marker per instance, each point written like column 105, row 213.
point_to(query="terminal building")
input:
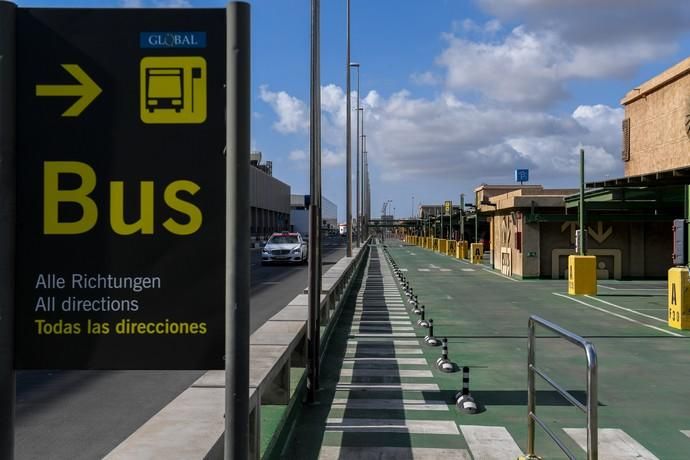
column 629, row 219
column 299, row 214
column 269, row 199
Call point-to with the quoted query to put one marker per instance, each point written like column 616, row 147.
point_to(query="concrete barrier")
column 192, row 425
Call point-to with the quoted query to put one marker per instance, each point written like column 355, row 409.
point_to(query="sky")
column 456, row 93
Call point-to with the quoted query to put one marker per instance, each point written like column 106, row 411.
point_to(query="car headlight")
column 296, row 251
column 264, row 250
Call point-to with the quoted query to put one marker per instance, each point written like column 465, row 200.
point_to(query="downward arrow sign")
column 87, row 89
column 600, row 235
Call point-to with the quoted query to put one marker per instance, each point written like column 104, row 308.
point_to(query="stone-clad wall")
column 658, row 138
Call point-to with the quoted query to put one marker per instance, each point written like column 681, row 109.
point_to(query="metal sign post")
column 237, row 235
column 7, row 226
column 314, row 271
column 462, row 217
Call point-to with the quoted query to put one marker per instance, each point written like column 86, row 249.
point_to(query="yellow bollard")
column 477, row 253
column 678, row 298
column 452, row 244
column 442, row 246
column 434, row 244
column 582, row 275
column 463, row 252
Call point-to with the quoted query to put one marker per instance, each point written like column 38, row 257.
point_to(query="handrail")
column 590, row 408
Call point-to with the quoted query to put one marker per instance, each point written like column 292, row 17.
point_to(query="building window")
column 626, row 140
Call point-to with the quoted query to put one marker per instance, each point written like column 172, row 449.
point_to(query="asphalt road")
column 85, row 414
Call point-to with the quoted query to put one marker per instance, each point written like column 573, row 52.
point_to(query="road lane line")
column 500, row 274
column 627, row 309
column 603, row 310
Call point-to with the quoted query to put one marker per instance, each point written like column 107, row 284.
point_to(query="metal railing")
column 590, row 409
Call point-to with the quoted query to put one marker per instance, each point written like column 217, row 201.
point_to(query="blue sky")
column 456, row 93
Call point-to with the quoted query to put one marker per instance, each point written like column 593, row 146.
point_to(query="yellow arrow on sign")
column 87, row 89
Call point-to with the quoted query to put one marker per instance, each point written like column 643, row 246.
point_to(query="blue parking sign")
column 521, row 175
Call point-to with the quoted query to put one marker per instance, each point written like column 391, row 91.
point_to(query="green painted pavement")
column 644, row 366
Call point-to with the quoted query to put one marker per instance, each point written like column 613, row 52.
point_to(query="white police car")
column 284, row 247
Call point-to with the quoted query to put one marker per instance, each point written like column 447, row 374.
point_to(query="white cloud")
column 293, row 114
column 555, row 42
column 523, row 69
column 424, row 78
column 172, row 4
column 446, row 138
column 297, row 155
column 469, row 26
column 330, row 159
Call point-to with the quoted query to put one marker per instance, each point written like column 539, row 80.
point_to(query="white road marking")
column 391, row 453
column 500, row 274
column 397, row 361
column 490, row 442
column 467, row 269
column 686, row 432
column 603, row 310
column 388, row 404
column 383, row 343
column 386, row 387
column 383, row 352
column 351, row 372
column 395, row 334
column 614, row 444
column 392, row 426
column 446, row 270
column 631, row 289
column 423, row 269
column 627, row 309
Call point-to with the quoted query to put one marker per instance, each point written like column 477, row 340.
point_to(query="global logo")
column 172, row 40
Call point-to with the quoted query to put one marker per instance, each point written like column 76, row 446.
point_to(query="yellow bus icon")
column 173, row 90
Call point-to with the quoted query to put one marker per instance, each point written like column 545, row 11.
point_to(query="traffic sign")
column 120, row 197
column 447, row 207
column 521, row 175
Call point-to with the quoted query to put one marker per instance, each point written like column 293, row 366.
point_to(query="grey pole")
column 363, row 140
column 531, row 386
column 319, row 195
column 476, row 224
column 348, row 148
column 356, row 65
column 314, row 298
column 7, row 226
column 581, row 207
column 237, row 274
column 365, row 187
column 450, row 222
column 462, row 217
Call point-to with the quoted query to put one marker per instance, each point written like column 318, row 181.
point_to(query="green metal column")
column 581, row 207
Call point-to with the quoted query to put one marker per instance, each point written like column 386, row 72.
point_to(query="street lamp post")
column 356, row 65
column 348, row 144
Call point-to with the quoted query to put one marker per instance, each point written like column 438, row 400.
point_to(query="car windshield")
column 283, row 239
